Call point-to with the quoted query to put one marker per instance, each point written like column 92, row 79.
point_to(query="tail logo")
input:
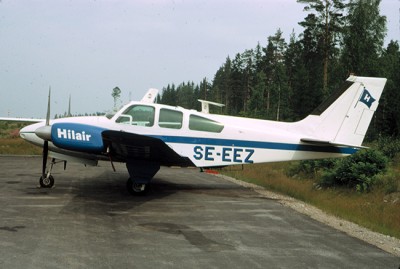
column 366, row 98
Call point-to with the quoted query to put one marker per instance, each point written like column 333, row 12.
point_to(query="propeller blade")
column 48, row 109
column 44, row 161
column 46, row 143
column 69, row 107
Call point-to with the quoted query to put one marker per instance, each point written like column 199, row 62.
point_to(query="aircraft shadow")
column 107, row 195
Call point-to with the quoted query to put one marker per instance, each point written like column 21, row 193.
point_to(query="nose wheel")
column 46, row 182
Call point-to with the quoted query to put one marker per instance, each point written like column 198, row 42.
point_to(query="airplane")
column 145, row 135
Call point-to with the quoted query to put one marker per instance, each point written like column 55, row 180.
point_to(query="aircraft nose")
column 24, row 132
column 44, row 132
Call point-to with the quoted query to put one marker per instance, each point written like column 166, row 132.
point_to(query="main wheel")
column 136, row 188
column 47, row 182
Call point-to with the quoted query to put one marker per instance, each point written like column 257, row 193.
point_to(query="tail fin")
column 150, row 96
column 343, row 119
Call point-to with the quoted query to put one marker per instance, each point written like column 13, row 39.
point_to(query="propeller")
column 46, row 142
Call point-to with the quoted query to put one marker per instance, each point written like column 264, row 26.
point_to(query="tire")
column 46, row 182
column 137, row 189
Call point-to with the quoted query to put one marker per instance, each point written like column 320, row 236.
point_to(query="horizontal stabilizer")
column 318, row 142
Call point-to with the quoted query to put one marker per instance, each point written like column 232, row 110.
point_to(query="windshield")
column 138, row 115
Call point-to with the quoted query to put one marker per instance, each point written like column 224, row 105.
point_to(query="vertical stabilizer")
column 345, row 116
column 150, row 96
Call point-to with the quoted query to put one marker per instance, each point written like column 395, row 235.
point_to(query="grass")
column 18, row 146
column 10, row 129
column 374, row 210
column 11, row 143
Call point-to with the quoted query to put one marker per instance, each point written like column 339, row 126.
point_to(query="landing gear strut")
column 47, row 180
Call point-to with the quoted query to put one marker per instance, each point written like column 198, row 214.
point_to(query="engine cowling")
column 78, row 137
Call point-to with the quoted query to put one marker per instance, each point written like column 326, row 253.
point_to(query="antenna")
column 69, row 107
column 48, row 108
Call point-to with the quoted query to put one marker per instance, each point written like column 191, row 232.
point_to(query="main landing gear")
column 135, row 188
column 141, row 174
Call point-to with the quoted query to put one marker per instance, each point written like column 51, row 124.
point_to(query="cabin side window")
column 138, row 115
column 197, row 123
column 170, row 119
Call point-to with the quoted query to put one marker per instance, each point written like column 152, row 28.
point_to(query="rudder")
column 361, row 111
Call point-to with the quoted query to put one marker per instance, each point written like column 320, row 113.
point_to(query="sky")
column 86, row 48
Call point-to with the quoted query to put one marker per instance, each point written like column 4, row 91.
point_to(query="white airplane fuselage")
column 241, row 141
column 146, row 135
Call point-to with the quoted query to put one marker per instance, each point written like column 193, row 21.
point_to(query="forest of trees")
column 285, row 80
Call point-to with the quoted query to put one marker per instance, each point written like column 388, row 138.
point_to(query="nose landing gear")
column 47, row 180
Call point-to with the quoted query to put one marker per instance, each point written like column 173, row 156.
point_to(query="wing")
column 125, row 146
column 21, row 119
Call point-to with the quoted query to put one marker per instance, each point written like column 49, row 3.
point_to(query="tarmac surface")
column 188, row 220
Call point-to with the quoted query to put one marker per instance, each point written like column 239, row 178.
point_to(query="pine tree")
column 363, row 38
column 327, row 25
column 256, row 101
column 387, row 120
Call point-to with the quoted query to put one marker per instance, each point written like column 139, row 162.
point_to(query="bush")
column 310, row 168
column 389, row 182
column 388, row 145
column 357, row 171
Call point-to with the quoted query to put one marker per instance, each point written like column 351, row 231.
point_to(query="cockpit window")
column 198, row 123
column 170, row 119
column 137, row 115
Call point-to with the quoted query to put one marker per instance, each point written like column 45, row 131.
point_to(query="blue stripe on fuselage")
column 254, row 144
